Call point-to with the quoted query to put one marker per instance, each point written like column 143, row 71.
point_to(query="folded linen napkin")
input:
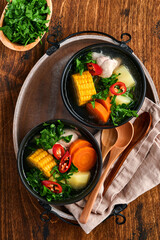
column 139, row 173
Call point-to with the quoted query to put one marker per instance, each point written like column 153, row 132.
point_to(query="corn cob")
column 84, row 87
column 42, row 160
column 48, row 167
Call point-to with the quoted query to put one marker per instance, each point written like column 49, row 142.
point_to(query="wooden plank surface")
column 19, row 210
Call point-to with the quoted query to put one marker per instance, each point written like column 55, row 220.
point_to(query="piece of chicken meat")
column 106, row 63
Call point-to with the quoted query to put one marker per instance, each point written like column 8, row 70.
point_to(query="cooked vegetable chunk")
column 99, row 112
column 122, row 99
column 84, row 158
column 42, row 160
column 106, row 63
column 106, row 103
column 125, row 76
column 79, row 180
column 78, row 144
column 84, row 87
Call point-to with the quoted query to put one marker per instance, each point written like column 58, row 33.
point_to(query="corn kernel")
column 42, row 160
column 84, row 87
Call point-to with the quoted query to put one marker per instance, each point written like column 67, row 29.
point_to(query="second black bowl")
column 25, row 149
column 115, row 51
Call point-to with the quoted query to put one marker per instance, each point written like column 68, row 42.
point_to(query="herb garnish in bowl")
column 25, row 22
column 103, row 85
column 59, row 162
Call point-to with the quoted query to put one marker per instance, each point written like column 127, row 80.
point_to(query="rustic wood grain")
column 20, row 212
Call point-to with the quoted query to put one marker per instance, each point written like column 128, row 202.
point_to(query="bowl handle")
column 56, row 44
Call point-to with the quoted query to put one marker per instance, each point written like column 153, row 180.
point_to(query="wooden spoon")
column 141, row 126
column 16, row 46
column 108, row 139
column 125, row 135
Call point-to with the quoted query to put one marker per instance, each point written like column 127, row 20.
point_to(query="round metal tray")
column 40, row 100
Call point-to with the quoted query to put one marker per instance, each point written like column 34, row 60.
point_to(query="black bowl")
column 23, row 167
column 115, row 51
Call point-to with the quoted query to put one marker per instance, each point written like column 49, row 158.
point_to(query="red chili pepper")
column 52, row 186
column 58, row 151
column 118, row 88
column 65, row 163
column 94, row 69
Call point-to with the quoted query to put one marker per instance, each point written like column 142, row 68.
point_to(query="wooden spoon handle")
column 116, row 168
column 105, row 152
column 89, row 205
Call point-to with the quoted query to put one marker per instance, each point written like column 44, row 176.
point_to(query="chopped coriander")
column 120, row 112
column 80, row 62
column 51, row 134
column 25, row 21
column 35, row 176
column 102, row 88
column 67, row 138
column 58, row 176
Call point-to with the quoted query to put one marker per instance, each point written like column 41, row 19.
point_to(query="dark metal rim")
column 45, row 217
column 94, row 32
column 55, row 44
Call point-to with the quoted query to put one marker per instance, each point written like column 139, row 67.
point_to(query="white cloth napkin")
column 139, row 173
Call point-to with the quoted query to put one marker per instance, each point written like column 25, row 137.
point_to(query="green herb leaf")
column 35, row 176
column 50, row 135
column 67, row 138
column 105, row 83
column 120, row 112
column 93, row 103
column 81, row 63
column 58, row 176
column 102, row 88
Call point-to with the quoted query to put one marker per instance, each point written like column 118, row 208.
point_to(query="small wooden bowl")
column 16, row 46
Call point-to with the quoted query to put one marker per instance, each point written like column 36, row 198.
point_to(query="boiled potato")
column 122, row 99
column 79, row 180
column 125, row 76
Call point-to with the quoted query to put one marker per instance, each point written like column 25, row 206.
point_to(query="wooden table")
column 19, row 210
